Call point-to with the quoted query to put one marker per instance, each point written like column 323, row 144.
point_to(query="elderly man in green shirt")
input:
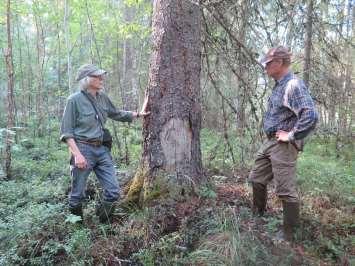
column 82, row 129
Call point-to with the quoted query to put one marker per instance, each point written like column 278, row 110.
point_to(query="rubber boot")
column 104, row 211
column 291, row 216
column 78, row 211
column 259, row 199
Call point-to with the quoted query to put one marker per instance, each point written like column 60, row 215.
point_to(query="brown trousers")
column 277, row 160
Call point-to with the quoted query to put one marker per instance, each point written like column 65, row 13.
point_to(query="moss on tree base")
column 149, row 188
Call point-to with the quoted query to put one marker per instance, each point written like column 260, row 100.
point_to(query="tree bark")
column 20, row 104
column 240, row 99
column 171, row 163
column 349, row 73
column 29, row 79
column 41, row 54
column 67, row 44
column 308, row 43
column 93, row 38
column 348, row 85
column 10, row 93
column 129, row 81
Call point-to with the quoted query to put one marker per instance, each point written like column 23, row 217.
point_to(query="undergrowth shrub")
column 228, row 243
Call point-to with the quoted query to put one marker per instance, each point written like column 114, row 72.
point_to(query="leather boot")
column 78, row 211
column 291, row 216
column 104, row 211
column 259, row 198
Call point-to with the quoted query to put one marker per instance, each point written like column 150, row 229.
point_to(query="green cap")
column 89, row 70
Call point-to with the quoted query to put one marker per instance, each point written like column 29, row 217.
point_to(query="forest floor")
column 214, row 227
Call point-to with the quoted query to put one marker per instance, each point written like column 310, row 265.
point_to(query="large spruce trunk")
column 171, row 161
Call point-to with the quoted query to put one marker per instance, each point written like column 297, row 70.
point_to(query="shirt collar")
column 285, row 78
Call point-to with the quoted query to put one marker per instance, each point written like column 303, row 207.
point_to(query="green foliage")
column 274, row 224
column 35, row 229
column 321, row 173
column 131, row 3
column 228, row 244
column 166, row 251
column 73, row 219
column 32, row 202
column 216, row 155
column 207, row 192
column 78, row 246
column 42, row 160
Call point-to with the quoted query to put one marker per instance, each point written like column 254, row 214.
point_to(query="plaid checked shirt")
column 290, row 108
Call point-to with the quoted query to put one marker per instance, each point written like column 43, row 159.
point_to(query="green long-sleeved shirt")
column 80, row 121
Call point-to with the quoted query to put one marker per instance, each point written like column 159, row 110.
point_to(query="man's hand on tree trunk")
column 143, row 112
column 140, row 114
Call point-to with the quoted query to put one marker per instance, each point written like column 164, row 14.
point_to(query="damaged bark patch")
column 176, row 140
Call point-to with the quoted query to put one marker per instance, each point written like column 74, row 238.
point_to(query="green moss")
column 155, row 188
column 166, row 185
column 152, row 194
column 136, row 188
column 158, row 186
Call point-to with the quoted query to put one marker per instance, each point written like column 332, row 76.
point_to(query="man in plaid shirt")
column 290, row 117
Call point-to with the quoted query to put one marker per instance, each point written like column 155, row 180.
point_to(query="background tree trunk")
column 347, row 98
column 350, row 73
column 308, row 43
column 129, row 81
column 171, row 161
column 67, row 43
column 241, row 68
column 10, row 93
column 41, row 54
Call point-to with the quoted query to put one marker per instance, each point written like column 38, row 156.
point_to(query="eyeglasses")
column 273, row 60
column 269, row 63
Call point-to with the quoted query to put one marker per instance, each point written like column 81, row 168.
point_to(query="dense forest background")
column 43, row 43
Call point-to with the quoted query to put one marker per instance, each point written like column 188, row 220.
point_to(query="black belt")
column 95, row 143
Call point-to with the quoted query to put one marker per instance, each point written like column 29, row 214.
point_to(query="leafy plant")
column 207, row 192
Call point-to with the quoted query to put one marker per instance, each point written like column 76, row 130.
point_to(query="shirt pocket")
column 87, row 118
column 104, row 111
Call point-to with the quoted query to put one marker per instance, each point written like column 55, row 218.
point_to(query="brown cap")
column 279, row 52
column 89, row 70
